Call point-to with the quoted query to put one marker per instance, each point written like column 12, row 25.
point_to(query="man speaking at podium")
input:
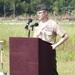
column 48, row 30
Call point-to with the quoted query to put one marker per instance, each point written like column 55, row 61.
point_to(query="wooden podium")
column 30, row 56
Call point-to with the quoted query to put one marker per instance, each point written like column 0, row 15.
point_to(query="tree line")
column 20, row 7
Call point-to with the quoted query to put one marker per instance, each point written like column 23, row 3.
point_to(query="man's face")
column 42, row 14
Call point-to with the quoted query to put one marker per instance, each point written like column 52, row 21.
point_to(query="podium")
column 30, row 56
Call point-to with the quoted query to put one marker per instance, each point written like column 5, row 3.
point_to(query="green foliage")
column 29, row 6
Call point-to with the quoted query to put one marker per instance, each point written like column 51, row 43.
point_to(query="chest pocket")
column 48, row 32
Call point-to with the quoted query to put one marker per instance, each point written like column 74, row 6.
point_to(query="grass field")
column 65, row 53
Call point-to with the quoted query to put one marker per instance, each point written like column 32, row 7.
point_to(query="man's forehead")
column 41, row 11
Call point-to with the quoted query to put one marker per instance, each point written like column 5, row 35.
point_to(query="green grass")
column 66, row 68
column 65, row 53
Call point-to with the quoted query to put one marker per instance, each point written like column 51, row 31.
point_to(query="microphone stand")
column 32, row 28
column 28, row 30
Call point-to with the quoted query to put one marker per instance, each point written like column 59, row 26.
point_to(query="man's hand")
column 61, row 41
column 53, row 46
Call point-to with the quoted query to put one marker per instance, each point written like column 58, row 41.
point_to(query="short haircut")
column 41, row 7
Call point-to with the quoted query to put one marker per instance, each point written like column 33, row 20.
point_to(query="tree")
column 20, row 7
column 2, row 3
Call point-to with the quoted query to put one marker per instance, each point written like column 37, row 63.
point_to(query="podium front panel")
column 30, row 56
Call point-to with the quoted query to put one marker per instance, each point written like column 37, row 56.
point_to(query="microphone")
column 34, row 25
column 29, row 21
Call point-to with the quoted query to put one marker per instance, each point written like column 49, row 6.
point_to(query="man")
column 48, row 31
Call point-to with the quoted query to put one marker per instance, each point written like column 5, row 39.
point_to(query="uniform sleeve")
column 59, row 30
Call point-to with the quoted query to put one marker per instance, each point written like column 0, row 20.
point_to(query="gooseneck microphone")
column 29, row 21
column 34, row 25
